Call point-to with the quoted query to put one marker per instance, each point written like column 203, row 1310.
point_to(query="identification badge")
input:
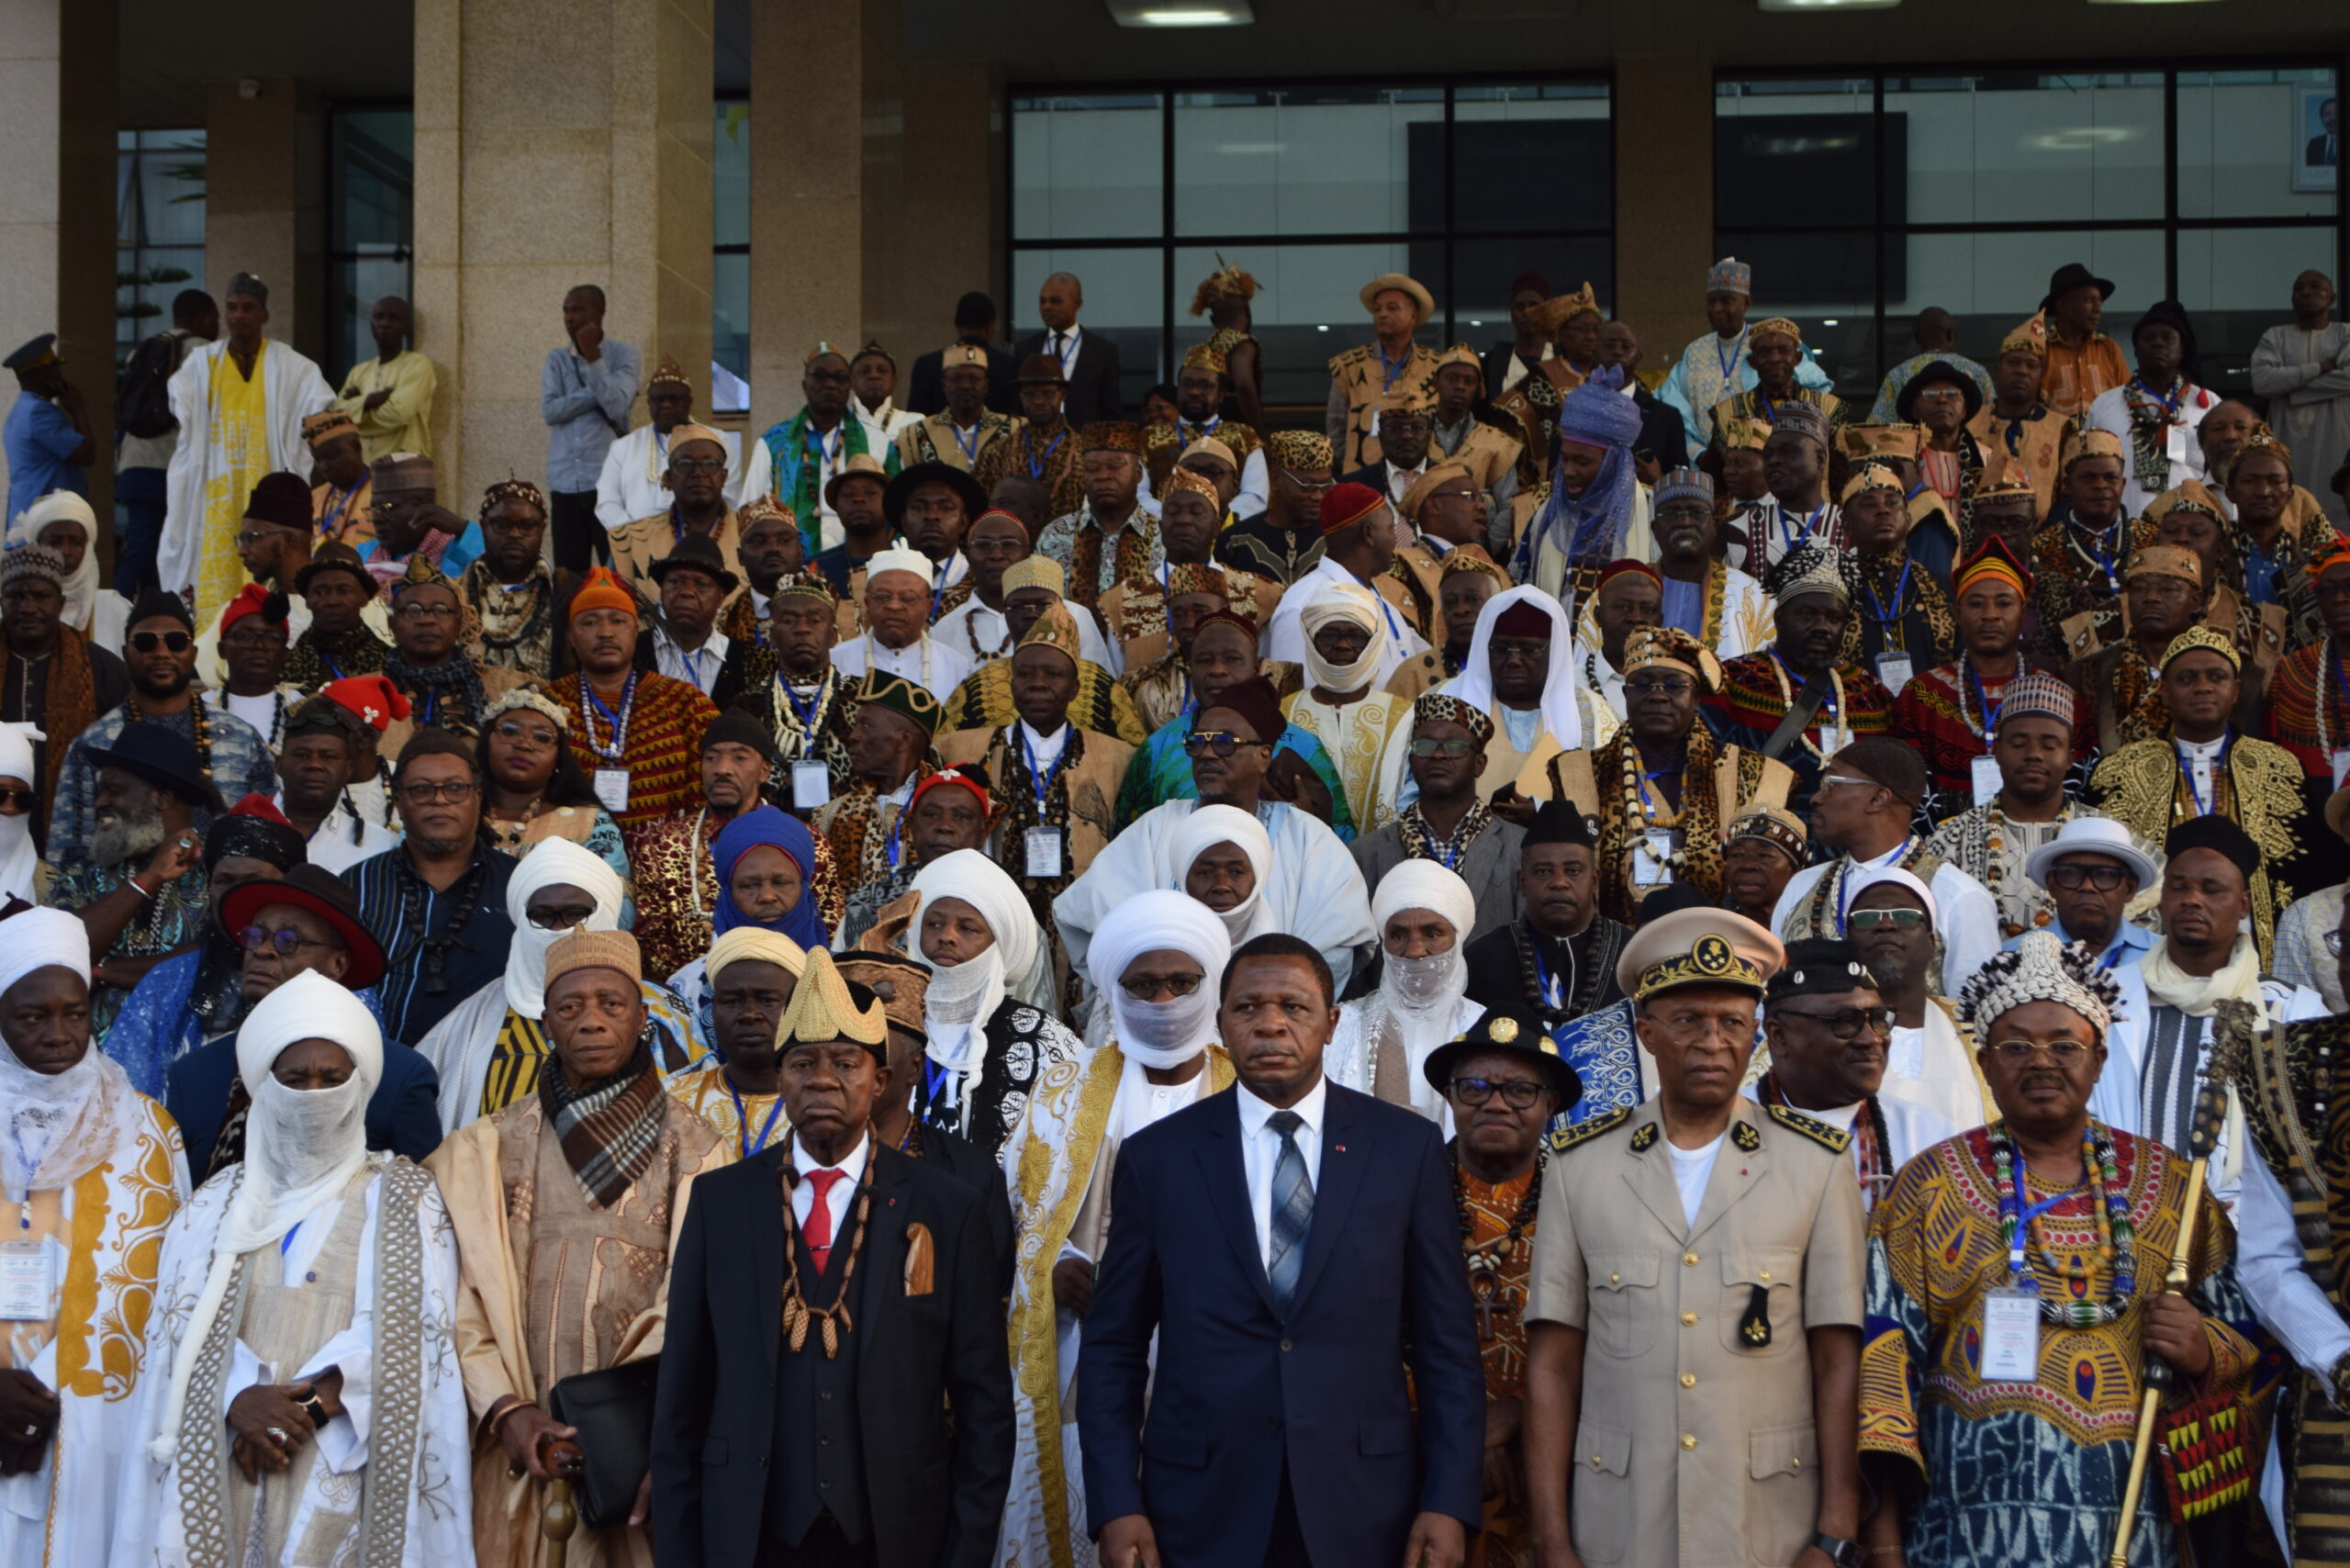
column 1986, row 770
column 2010, row 1335
column 611, row 787
column 2341, row 765
column 24, row 1281
column 1044, row 845
column 1651, row 864
column 811, row 785
column 1894, row 670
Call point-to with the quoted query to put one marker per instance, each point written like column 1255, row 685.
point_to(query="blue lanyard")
column 807, row 715
column 895, row 823
column 970, row 449
column 1827, row 705
column 1553, row 997
column 2104, row 556
column 1990, row 714
column 1795, row 536
column 1647, row 809
column 2169, row 406
column 285, row 1242
column 1036, row 464
column 1042, row 782
column 1736, row 349
column 1184, row 433
column 2202, row 807
column 2033, row 1211
column 1900, row 591
column 329, row 524
column 827, row 456
column 743, row 1119
column 1068, row 356
column 1844, row 880
column 619, row 720
column 1390, row 369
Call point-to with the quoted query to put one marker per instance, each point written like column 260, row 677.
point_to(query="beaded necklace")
column 1486, row 1259
column 797, row 1312
column 435, row 949
column 2020, row 1227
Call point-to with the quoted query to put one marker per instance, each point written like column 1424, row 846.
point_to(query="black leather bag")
column 613, row 1411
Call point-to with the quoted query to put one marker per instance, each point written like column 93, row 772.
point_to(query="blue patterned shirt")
column 239, row 762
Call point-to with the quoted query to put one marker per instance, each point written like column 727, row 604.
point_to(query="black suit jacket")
column 934, row 1488
column 961, row 1158
column 403, row 1115
column 1662, row 431
column 1092, row 380
column 926, row 386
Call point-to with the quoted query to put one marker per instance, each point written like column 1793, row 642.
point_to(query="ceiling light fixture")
column 1181, row 13
column 1826, row 5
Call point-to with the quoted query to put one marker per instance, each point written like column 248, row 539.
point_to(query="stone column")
column 557, row 142
column 264, row 202
column 1665, row 204
column 57, row 220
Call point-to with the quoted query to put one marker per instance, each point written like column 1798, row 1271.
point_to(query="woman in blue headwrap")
column 1592, row 510
column 766, row 861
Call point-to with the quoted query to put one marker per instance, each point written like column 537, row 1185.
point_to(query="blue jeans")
column 138, row 497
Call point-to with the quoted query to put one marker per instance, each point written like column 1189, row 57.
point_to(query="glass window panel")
column 1124, row 289
column 1532, row 157
column 1773, row 139
column 2238, row 283
column 359, row 282
column 1086, row 168
column 1309, row 160
column 1484, row 269
column 730, row 175
column 730, row 311
column 1307, row 308
column 171, row 179
column 1827, row 285
column 2019, row 147
column 375, row 174
column 2243, row 144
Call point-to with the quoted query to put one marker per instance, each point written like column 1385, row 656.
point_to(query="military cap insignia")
column 1565, row 1139
column 1833, row 1138
column 1644, row 1139
column 1743, row 1134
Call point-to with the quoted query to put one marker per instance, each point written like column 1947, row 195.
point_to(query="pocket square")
column 918, row 1259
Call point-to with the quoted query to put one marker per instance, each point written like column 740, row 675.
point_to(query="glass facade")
column 729, row 270
column 370, row 225
column 1967, row 190
column 1313, row 189
column 159, row 228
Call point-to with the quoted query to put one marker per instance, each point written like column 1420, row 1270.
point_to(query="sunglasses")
column 1672, row 686
column 696, row 466
column 1518, row 1093
column 1173, row 985
column 563, row 919
column 1880, row 919
column 2073, row 878
column 1423, row 746
column 16, row 802
column 147, row 642
column 1847, row 1022
column 254, row 938
column 1223, row 743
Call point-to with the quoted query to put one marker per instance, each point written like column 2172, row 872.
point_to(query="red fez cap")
column 1346, row 505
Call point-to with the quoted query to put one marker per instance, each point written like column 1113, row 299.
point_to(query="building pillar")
column 1664, row 200
column 57, row 224
column 264, row 202
column 558, row 143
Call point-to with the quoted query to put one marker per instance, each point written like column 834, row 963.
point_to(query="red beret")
column 1348, row 504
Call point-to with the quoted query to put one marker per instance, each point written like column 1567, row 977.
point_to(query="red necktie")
column 819, row 1228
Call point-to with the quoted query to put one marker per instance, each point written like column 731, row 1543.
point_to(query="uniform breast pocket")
column 1602, row 1493
column 1623, row 1302
column 1777, row 1272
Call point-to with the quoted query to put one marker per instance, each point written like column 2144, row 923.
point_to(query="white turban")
column 1208, row 827
column 38, row 938
column 1420, row 995
column 552, row 861
column 81, row 584
column 60, row 1125
column 302, row 1146
column 754, row 941
column 1899, row 879
column 19, row 858
column 1346, row 603
column 1475, row 684
column 1160, row 1033
column 963, row 997
column 899, row 560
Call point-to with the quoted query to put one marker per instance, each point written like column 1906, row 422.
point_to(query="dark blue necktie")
column 1292, row 1209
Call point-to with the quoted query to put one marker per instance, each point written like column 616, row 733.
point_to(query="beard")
column 442, row 848
column 124, row 838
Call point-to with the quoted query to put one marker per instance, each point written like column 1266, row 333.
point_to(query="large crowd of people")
column 1569, row 963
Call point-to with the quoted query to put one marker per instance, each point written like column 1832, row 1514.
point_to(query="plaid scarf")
column 607, row 1129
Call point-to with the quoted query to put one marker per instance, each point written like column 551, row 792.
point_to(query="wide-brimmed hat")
column 698, row 551
column 868, row 466
column 2070, row 276
column 324, row 894
column 1517, row 1032
column 1402, row 285
column 163, row 757
column 1040, row 370
column 902, row 491
column 1939, row 372
column 2092, row 836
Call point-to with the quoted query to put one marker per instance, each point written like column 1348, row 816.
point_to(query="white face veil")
column 61, row 1126
column 963, row 997
column 552, row 862
column 1163, row 1033
column 1430, row 986
column 1341, row 603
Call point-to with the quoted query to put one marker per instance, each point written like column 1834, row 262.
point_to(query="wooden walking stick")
column 560, row 1517
column 2157, row 1374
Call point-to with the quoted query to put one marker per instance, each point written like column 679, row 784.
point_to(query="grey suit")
column 1489, row 866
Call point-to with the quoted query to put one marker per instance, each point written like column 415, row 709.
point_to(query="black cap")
column 1559, row 821
column 33, row 355
column 159, row 601
column 739, row 728
column 1939, row 373
column 2212, row 831
column 902, row 488
column 2070, row 276
column 1512, row 1030
column 701, row 553
column 1820, row 966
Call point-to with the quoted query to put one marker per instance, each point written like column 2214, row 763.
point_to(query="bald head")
column 1935, row 330
column 1059, row 301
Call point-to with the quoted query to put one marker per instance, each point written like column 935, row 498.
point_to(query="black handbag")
column 613, row 1412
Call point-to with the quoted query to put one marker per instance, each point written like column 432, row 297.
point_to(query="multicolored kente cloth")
column 661, row 742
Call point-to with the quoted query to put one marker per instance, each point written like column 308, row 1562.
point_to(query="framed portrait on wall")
column 2317, row 139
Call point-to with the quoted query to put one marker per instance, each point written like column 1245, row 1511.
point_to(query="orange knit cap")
column 602, row 589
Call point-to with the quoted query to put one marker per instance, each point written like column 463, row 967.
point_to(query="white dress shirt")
column 843, row 1193
column 699, row 666
column 938, row 667
column 1260, row 1152
column 2199, row 757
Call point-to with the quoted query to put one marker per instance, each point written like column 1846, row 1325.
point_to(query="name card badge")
column 1652, row 863
column 2341, row 765
column 1894, row 670
column 611, row 787
column 1044, row 845
column 2010, row 1335
column 25, row 1291
column 1985, row 771
column 811, row 785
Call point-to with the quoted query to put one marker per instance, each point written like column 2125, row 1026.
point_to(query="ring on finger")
column 277, row 1435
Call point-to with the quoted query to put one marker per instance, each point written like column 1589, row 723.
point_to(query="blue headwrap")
column 1594, row 525
column 801, row 922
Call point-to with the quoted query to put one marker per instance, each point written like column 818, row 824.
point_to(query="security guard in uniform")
column 1708, row 1253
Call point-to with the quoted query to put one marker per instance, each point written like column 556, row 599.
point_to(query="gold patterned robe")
column 1366, row 740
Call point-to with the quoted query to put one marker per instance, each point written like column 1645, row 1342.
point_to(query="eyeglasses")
column 696, row 466
column 426, row 611
column 1828, row 778
column 535, row 735
column 1311, row 487
column 1879, row 919
column 563, row 918
column 147, row 642
column 1845, row 1022
column 2332, row 938
column 2072, row 878
column 423, row 793
column 1672, row 686
column 16, row 802
column 1223, row 743
column 243, row 642
column 283, row 940
column 1467, row 492
column 1423, row 746
column 2019, row 1053
column 1518, row 1093
column 1148, row 988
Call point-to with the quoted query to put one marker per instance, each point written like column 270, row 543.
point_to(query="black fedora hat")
column 1939, row 372
column 324, row 894
column 1518, row 1033
column 699, row 552
column 902, row 491
column 164, row 758
column 2070, row 276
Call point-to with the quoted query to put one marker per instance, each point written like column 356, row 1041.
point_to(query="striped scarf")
column 607, row 1129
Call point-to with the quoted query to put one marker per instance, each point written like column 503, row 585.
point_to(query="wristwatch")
column 316, row 1409
column 1841, row 1552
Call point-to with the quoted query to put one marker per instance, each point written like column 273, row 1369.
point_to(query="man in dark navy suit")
column 1283, row 1241
column 1089, row 360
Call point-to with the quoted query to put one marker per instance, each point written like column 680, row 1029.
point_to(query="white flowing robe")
column 429, row 1479
column 292, row 389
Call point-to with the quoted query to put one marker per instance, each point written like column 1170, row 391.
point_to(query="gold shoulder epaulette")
column 1566, row 1138
column 1834, row 1139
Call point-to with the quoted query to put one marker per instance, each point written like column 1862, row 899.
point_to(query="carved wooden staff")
column 560, row 1519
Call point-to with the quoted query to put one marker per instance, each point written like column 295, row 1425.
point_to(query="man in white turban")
column 18, row 855
column 489, row 1050
column 1423, row 914
column 311, row 1292
column 64, row 523
column 1365, row 729
column 990, row 1010
column 91, row 1171
column 1158, row 961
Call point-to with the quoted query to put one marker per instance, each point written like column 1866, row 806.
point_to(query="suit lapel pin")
column 1342, row 1149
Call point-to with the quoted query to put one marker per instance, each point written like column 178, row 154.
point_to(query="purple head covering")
column 1594, row 525
column 801, row 922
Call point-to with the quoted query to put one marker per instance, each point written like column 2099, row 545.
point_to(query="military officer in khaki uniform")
column 1708, row 1253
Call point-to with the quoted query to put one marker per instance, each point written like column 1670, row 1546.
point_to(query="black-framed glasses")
column 282, row 941
column 1845, row 1022
column 1311, row 487
column 423, row 792
column 1423, row 746
column 1880, row 919
column 1223, row 743
column 1518, row 1093
column 562, row 918
column 1147, row 988
column 426, row 611
column 697, row 465
column 147, row 642
column 2073, row 878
